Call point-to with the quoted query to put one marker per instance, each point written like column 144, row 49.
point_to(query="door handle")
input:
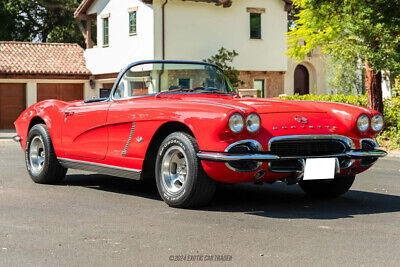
column 68, row 113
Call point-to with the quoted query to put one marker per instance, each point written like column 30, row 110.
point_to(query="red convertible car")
column 182, row 124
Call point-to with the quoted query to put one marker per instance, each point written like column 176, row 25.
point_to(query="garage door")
column 62, row 91
column 12, row 103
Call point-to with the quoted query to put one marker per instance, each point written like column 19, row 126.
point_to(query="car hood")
column 259, row 105
column 277, row 106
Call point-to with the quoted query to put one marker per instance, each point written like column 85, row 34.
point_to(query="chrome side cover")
column 101, row 168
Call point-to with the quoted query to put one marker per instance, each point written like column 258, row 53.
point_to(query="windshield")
column 153, row 78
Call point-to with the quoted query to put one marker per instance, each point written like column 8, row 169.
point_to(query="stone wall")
column 273, row 81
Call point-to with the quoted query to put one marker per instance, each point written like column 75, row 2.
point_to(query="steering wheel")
column 200, row 88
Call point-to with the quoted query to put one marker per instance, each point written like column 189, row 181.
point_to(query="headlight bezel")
column 374, row 124
column 365, row 119
column 230, row 121
column 252, row 116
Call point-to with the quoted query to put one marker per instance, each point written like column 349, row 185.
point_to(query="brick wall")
column 273, row 80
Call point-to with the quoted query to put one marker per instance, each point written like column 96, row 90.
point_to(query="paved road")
column 101, row 221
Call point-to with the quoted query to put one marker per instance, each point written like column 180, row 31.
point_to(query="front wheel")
column 41, row 160
column 328, row 188
column 181, row 180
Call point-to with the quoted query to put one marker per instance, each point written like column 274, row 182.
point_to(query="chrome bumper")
column 227, row 157
column 17, row 138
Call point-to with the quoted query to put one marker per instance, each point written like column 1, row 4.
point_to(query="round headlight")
column 253, row 122
column 377, row 122
column 363, row 123
column 236, row 123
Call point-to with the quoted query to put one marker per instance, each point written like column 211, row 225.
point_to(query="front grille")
column 306, row 148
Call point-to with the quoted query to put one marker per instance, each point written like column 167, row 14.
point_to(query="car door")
column 84, row 132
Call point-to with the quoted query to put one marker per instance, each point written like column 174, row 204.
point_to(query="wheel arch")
column 36, row 120
column 148, row 170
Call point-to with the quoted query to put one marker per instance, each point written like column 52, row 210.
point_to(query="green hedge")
column 390, row 136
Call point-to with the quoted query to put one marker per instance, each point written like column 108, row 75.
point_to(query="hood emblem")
column 301, row 119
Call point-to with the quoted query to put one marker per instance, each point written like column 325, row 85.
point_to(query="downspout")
column 163, row 43
column 163, row 28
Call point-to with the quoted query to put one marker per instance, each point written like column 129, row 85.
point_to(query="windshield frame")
column 138, row 63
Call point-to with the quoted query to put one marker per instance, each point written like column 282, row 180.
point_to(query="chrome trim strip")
column 17, row 138
column 129, row 139
column 346, row 140
column 225, row 157
column 366, row 154
column 101, row 168
column 218, row 103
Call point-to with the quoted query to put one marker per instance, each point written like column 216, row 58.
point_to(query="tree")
column 224, row 59
column 40, row 20
column 351, row 29
column 346, row 77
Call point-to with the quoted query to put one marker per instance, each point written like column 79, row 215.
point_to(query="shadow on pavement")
column 273, row 201
column 114, row 185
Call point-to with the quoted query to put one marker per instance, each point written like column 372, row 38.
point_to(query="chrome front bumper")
column 263, row 157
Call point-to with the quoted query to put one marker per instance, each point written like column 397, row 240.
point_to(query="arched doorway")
column 301, row 80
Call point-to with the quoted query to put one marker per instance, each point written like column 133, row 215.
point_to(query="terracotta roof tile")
column 42, row 58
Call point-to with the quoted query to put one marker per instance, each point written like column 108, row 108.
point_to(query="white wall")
column 123, row 48
column 195, row 31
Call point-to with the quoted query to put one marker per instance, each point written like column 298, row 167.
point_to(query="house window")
column 260, row 86
column 184, row 83
column 105, row 32
column 255, row 25
column 132, row 22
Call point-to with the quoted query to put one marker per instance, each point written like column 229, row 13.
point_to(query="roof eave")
column 80, row 12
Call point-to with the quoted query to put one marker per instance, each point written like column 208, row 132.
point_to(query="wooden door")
column 301, row 80
column 60, row 91
column 12, row 103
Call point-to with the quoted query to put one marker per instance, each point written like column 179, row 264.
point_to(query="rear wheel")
column 181, row 180
column 328, row 188
column 41, row 160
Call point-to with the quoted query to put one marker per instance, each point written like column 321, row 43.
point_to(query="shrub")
column 390, row 136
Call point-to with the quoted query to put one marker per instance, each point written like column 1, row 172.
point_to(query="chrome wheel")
column 37, row 154
column 174, row 169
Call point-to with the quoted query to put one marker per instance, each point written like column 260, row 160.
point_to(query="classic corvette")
column 182, row 124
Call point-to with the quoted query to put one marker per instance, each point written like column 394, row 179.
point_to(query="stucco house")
column 132, row 30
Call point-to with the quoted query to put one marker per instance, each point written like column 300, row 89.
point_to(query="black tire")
column 198, row 189
column 327, row 188
column 50, row 170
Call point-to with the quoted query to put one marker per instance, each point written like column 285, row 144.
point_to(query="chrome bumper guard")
column 227, row 157
column 16, row 139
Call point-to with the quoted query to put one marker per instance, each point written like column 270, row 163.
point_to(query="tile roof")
column 42, row 58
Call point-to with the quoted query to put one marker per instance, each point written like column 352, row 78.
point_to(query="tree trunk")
column 373, row 85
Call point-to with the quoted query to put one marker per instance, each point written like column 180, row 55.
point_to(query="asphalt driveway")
column 99, row 220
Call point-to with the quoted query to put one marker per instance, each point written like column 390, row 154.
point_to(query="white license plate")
column 320, row 169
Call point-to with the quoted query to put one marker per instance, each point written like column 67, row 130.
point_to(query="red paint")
column 99, row 132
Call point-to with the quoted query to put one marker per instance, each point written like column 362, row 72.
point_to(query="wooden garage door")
column 12, row 103
column 61, row 91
